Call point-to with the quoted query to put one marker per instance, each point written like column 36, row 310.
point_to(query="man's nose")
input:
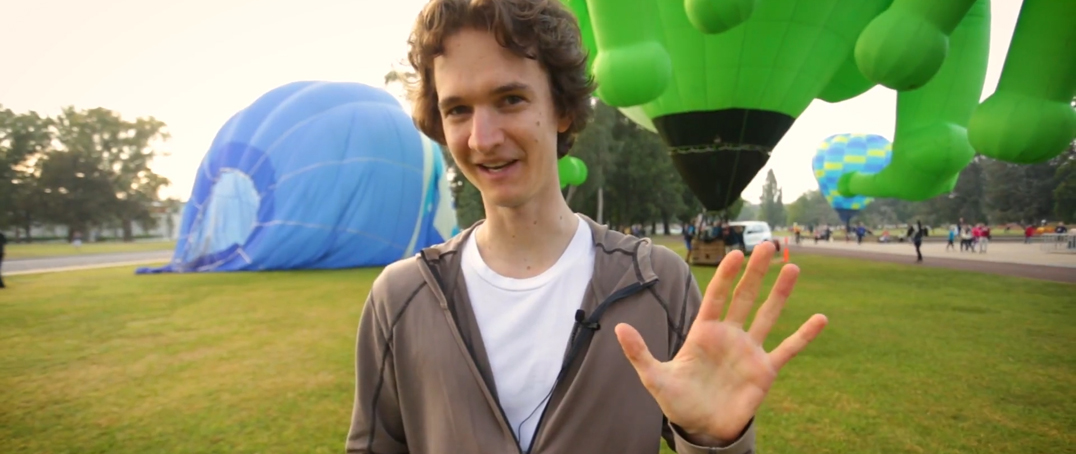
column 486, row 131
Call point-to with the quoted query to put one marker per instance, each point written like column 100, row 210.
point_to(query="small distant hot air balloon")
column 843, row 153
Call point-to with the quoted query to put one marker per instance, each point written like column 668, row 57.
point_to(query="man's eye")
column 513, row 99
column 458, row 110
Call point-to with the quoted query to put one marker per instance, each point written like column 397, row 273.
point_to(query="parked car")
column 754, row 233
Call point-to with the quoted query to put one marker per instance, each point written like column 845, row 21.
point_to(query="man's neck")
column 525, row 241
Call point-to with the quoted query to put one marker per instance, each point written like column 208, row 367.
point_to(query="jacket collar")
column 620, row 260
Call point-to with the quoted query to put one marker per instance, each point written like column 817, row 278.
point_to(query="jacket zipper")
column 574, row 344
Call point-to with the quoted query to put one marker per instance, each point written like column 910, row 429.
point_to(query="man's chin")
column 505, row 202
column 504, row 198
column 513, row 197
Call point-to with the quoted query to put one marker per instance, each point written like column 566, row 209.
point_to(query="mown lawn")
column 931, row 361
column 40, row 250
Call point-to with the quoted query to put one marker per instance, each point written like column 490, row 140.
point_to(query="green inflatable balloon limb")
column 581, row 172
column 565, row 171
column 572, row 171
column 1029, row 118
column 632, row 67
column 930, row 146
column 717, row 16
column 847, row 83
column 906, row 45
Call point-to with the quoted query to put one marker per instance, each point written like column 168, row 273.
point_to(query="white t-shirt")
column 526, row 323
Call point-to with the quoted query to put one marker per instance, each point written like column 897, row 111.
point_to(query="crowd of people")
column 973, row 237
column 709, row 230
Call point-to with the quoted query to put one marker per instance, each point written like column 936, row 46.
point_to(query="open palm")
column 720, row 376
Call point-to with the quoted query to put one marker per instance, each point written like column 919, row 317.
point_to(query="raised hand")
column 720, row 376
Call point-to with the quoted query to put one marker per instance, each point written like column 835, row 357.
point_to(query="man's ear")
column 564, row 123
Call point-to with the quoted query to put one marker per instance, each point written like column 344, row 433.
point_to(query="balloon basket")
column 707, row 253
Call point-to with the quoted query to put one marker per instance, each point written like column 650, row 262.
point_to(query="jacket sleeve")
column 690, row 300
column 743, row 445
column 376, row 423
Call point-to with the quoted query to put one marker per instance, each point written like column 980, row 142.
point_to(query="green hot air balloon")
column 721, row 81
column 720, row 84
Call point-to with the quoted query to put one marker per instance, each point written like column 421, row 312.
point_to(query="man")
column 538, row 330
column 916, row 234
column 689, row 235
column 984, row 237
column 3, row 242
column 733, row 236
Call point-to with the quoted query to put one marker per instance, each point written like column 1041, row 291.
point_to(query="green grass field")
column 920, row 360
column 40, row 250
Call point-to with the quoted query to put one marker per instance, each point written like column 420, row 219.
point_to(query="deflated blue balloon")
column 315, row 175
column 843, row 153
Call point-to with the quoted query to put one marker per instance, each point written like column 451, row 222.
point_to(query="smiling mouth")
column 497, row 167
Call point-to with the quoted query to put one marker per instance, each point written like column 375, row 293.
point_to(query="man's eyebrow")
column 445, row 102
column 510, row 87
column 506, row 88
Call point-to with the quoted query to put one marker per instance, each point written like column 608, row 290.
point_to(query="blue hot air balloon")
column 843, row 153
column 315, row 175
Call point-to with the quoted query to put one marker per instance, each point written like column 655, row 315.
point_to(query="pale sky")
column 193, row 63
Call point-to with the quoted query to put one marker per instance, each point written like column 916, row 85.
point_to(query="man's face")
column 499, row 120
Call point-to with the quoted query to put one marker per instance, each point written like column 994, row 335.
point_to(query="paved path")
column 82, row 262
column 1009, row 259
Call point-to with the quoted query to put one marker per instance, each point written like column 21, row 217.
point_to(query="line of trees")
column 988, row 191
column 82, row 169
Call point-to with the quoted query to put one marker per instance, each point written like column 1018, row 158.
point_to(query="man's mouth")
column 495, row 167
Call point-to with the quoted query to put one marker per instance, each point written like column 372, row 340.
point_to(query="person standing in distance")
column 3, row 242
column 916, row 234
column 538, row 330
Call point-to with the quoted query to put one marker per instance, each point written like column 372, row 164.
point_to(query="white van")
column 754, row 233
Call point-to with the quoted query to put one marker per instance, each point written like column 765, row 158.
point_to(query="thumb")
column 638, row 354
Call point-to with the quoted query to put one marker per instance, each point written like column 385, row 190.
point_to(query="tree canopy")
column 80, row 169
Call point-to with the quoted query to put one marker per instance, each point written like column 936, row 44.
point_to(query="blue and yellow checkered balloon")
column 842, row 153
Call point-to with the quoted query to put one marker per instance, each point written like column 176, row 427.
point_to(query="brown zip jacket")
column 424, row 384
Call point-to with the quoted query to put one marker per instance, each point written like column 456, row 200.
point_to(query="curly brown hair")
column 544, row 30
